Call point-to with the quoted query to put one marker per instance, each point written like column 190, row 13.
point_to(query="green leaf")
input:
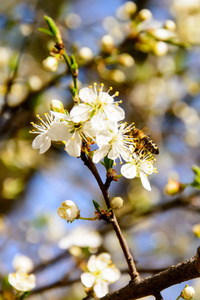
column 107, row 163
column 47, row 31
column 196, row 182
column 97, row 206
column 196, row 170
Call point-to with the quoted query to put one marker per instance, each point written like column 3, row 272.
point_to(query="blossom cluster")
column 101, row 272
column 96, row 120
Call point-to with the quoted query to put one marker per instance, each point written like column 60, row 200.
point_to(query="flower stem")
column 89, row 219
column 113, row 220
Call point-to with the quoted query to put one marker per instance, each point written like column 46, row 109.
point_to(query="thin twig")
column 129, row 259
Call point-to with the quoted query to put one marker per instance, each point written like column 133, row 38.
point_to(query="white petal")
column 73, row 146
column 92, row 264
column 39, row 140
column 103, row 138
column 114, row 112
column 144, row 180
column 101, row 288
column 59, row 116
column 105, row 97
column 87, row 279
column 147, row 167
column 87, row 95
column 46, row 145
column 80, row 113
column 58, row 132
column 114, row 152
column 111, row 274
column 100, row 153
column 99, row 121
column 103, row 260
column 129, row 170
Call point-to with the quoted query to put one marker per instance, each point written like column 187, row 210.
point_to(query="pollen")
column 116, row 93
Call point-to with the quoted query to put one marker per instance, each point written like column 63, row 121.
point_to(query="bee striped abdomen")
column 150, row 145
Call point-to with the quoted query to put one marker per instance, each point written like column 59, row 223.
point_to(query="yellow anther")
column 99, row 90
column 116, row 103
column 114, row 164
column 116, row 93
column 120, row 101
column 72, row 138
column 102, row 84
column 90, row 87
column 111, row 88
column 37, row 116
column 95, row 83
column 121, row 162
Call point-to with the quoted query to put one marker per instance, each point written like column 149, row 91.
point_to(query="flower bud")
column 107, row 43
column 50, row 64
column 57, row 106
column 174, row 187
column 170, row 25
column 130, row 8
column 188, row 292
column 68, row 210
column 126, row 60
column 144, row 15
column 116, row 202
column 196, row 230
column 86, row 53
column 160, row 48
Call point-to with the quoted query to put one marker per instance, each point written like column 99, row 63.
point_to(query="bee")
column 143, row 142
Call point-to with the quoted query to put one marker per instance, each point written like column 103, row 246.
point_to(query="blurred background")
column 149, row 52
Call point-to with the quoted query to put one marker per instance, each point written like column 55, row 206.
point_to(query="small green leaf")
column 47, row 31
column 196, row 182
column 97, row 206
column 107, row 163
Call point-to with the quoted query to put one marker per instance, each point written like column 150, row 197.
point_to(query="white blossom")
column 68, row 210
column 78, row 132
column 50, row 130
column 138, row 167
column 114, row 143
column 101, row 273
column 22, row 262
column 99, row 107
column 188, row 292
column 21, row 281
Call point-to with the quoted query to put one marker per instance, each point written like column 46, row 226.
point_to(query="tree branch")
column 129, row 259
column 158, row 282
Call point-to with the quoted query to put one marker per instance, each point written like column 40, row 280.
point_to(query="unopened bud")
column 188, row 292
column 107, row 43
column 117, row 75
column 116, row 202
column 160, row 48
column 68, row 210
column 162, row 34
column 130, row 8
column 170, row 25
column 50, row 64
column 57, row 106
column 144, row 14
column 86, row 53
column 196, row 230
column 126, row 60
column 174, row 187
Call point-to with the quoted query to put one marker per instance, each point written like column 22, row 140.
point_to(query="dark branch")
column 158, row 282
